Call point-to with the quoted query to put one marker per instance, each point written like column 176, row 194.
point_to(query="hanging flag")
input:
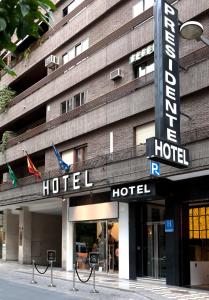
column 31, row 168
column 62, row 164
column 12, row 176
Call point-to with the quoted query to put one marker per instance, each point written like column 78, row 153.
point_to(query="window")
column 199, row 223
column 141, row 6
column 71, row 7
column 68, row 157
column 144, row 132
column 75, row 51
column 144, row 68
column 79, row 154
column 72, row 103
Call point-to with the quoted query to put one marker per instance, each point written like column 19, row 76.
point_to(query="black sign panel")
column 161, row 151
column 167, row 96
column 133, row 192
column 93, row 258
column 167, row 72
column 51, row 255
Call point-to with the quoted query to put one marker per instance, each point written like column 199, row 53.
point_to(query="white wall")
column 123, row 241
column 67, row 238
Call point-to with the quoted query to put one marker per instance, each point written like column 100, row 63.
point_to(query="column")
column 24, row 256
column 177, row 256
column 67, row 238
column 10, row 243
column 123, row 240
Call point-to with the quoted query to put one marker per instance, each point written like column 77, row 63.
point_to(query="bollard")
column 94, row 288
column 51, row 284
column 33, row 280
column 74, row 289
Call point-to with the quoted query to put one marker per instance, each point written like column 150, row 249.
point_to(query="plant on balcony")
column 6, row 95
column 26, row 54
column 4, row 141
column 7, row 135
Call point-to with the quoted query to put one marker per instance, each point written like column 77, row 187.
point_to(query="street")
column 16, row 291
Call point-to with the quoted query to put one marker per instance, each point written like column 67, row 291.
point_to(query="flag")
column 32, row 169
column 12, row 176
column 62, row 164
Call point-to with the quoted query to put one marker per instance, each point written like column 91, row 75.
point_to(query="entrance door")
column 156, row 259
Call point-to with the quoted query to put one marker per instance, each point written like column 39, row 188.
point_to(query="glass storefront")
column 97, row 236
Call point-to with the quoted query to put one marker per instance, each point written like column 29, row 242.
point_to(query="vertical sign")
column 166, row 147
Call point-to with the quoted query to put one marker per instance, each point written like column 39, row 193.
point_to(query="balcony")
column 127, row 165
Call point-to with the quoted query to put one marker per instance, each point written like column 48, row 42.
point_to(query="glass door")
column 156, row 259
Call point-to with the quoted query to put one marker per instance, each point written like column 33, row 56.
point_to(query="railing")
column 92, row 163
column 199, row 161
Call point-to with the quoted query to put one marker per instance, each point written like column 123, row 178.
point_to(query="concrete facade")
column 34, row 223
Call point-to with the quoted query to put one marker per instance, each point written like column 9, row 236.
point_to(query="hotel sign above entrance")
column 133, row 192
column 69, row 182
column 166, row 146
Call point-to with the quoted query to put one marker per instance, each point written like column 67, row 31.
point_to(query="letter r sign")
column 154, row 168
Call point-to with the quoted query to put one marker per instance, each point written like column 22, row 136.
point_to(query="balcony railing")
column 109, row 162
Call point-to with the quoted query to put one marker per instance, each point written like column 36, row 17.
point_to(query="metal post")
column 94, row 289
column 74, row 288
column 51, row 284
column 33, row 280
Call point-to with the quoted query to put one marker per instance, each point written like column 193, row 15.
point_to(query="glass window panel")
column 148, row 4
column 207, row 210
column 144, row 132
column 71, row 6
column 138, row 8
column 65, row 11
column 202, row 211
column 70, row 104
column 202, row 223
column 196, row 235
column 63, row 107
column 150, row 68
column 190, row 212
column 195, row 211
column 79, row 155
column 82, row 98
column 203, row 234
column 207, row 234
column 190, row 223
column 85, row 45
column 65, row 58
column 77, row 100
column 78, row 50
column 142, row 70
column 207, row 222
column 196, row 223
column 68, row 156
column 71, row 54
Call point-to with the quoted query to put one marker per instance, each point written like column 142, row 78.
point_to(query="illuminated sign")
column 68, row 182
column 166, row 147
column 142, row 53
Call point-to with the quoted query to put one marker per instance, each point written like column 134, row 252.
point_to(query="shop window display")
column 101, row 237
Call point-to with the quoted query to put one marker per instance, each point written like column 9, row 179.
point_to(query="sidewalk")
column 107, row 284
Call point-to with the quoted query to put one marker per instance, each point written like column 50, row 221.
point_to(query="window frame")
column 73, row 105
column 144, row 8
column 84, row 45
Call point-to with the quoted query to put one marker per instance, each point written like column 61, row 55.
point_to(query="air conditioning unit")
column 116, row 74
column 5, row 177
column 51, row 61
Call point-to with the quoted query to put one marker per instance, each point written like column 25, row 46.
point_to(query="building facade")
column 87, row 87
